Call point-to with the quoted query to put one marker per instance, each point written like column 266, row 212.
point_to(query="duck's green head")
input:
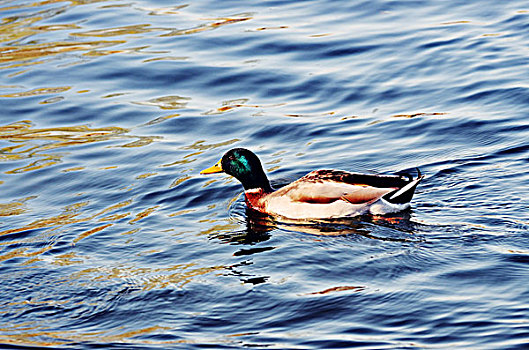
column 244, row 166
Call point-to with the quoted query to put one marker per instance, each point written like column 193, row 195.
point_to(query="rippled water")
column 109, row 237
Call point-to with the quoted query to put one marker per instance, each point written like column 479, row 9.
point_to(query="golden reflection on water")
column 14, row 30
column 132, row 278
column 24, row 147
column 131, row 29
column 159, row 11
column 137, row 278
column 16, row 207
column 147, row 278
column 34, row 143
column 39, row 91
column 161, row 119
column 71, row 214
column 229, row 105
column 49, row 2
column 167, row 102
column 20, row 55
column 180, row 180
column 33, row 335
column 211, row 24
column 143, row 214
column 201, row 145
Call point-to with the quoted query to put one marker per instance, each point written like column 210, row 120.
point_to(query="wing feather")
column 322, row 186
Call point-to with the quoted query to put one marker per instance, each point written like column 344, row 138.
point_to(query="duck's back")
column 330, row 194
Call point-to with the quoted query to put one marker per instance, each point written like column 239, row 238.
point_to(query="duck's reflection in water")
column 260, row 228
column 259, row 225
column 399, row 227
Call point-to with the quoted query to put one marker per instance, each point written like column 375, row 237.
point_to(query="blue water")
column 109, row 237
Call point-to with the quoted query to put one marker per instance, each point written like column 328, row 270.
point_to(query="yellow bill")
column 217, row 168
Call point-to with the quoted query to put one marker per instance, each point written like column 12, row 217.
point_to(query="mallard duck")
column 321, row 194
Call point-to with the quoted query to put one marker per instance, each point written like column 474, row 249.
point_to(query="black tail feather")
column 405, row 194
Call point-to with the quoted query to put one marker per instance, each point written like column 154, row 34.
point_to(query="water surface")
column 109, row 237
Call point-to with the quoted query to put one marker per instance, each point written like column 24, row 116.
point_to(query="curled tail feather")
column 405, row 194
